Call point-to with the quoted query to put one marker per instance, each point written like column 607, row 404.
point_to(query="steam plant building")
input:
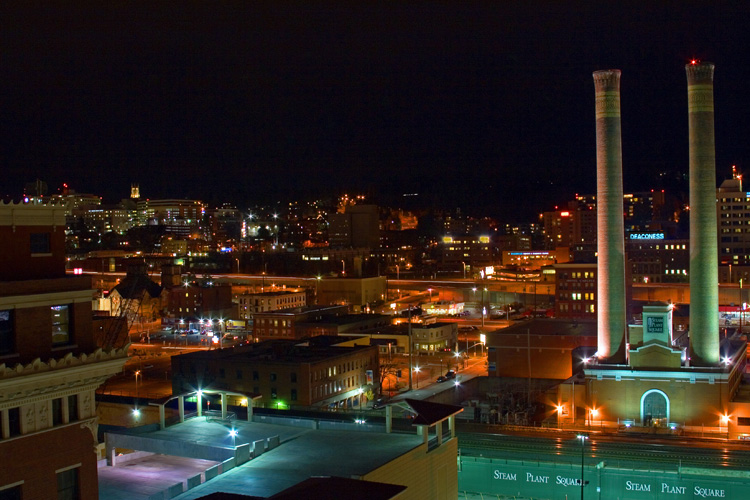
column 644, row 374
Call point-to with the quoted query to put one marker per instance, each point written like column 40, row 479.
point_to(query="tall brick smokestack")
column 610, row 226
column 704, row 259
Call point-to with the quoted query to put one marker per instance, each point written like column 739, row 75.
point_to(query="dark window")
column 73, row 408
column 255, row 376
column 274, row 393
column 239, row 374
column 57, row 413
column 14, row 421
column 13, row 493
column 294, row 395
column 743, row 420
column 7, row 343
column 40, row 243
column 222, row 374
column 256, row 390
column 273, row 377
column 294, row 377
column 67, row 485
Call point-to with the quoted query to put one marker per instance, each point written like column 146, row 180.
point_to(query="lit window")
column 6, row 331
column 60, row 324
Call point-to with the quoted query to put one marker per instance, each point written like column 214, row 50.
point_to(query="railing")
column 216, row 416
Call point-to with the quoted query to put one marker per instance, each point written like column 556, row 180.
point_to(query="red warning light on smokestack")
column 694, row 61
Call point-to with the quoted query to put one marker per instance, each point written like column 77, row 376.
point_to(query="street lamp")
column 411, row 347
column 593, row 413
column 233, row 433
column 725, row 420
column 137, row 373
column 484, row 311
column 416, row 369
column 430, row 291
column 583, row 439
column 559, row 412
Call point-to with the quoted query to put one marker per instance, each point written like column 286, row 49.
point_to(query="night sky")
column 484, row 106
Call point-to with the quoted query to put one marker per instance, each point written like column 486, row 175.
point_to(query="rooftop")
column 556, row 327
column 302, row 453
column 274, row 293
column 278, row 351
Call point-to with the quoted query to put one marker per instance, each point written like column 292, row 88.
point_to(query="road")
column 473, row 367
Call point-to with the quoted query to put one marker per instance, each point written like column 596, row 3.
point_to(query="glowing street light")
column 233, row 434
column 583, row 439
column 416, row 369
column 137, row 373
column 725, row 420
column 593, row 413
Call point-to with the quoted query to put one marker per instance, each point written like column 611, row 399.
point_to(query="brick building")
column 540, row 348
column 51, row 365
column 284, row 324
column 251, row 303
column 285, row 373
column 575, row 284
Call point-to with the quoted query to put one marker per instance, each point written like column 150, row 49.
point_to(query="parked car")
column 450, row 374
column 441, row 378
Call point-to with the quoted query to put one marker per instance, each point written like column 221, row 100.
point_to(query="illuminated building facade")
column 653, row 259
column 734, row 225
column 576, row 287
column 572, row 227
column 286, row 374
column 474, row 252
column 250, row 303
column 282, row 324
column 669, row 379
column 180, row 217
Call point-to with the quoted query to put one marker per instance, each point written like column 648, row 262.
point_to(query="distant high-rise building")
column 357, row 227
column 180, row 217
column 572, row 227
column 733, row 211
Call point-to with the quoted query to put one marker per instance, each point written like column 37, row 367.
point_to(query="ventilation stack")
column 704, row 258
column 610, row 226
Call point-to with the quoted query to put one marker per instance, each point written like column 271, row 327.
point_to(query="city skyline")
column 465, row 106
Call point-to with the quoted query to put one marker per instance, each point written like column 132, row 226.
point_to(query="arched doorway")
column 654, row 408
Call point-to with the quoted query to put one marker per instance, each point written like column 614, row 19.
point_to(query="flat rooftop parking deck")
column 303, row 452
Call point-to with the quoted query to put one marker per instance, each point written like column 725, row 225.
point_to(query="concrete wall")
column 426, row 474
column 560, row 481
column 176, row 448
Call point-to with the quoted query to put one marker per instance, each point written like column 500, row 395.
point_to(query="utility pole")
column 411, row 348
